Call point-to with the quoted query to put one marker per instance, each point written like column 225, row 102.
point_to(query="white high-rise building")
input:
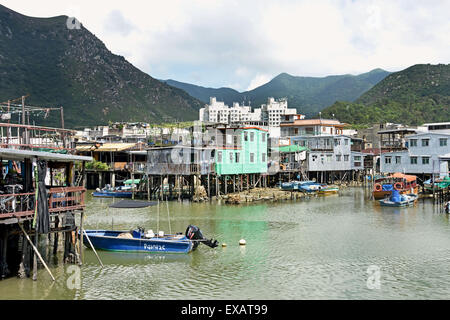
column 219, row 112
column 269, row 115
column 216, row 111
column 274, row 110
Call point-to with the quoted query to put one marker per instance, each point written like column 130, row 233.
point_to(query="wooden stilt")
column 36, row 251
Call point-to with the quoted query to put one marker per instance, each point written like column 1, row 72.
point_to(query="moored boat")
column 399, row 200
column 439, row 184
column 139, row 241
column 325, row 189
column 403, row 183
column 310, row 186
column 109, row 192
column 295, row 185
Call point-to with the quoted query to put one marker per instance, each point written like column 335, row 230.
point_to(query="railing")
column 291, row 166
column 22, row 205
column 182, row 169
column 28, row 137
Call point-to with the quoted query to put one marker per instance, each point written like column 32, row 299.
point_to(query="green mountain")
column 203, row 94
column 414, row 96
column 70, row 67
column 308, row 94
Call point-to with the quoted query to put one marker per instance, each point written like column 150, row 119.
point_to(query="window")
column 238, row 157
column 219, row 157
column 413, row 160
column 346, row 156
column 387, row 160
column 229, row 139
column 231, row 157
column 357, row 158
column 235, row 139
column 425, row 160
column 245, row 136
column 329, row 157
column 263, row 137
column 263, row 157
column 252, row 136
column 252, row 158
column 443, row 142
column 346, row 142
column 425, row 142
column 413, row 142
column 398, row 159
column 338, row 157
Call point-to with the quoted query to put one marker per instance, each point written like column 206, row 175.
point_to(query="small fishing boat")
column 399, row 200
column 310, row 186
column 109, row 192
column 405, row 184
column 439, row 184
column 326, row 189
column 138, row 240
column 295, row 185
column 289, row 186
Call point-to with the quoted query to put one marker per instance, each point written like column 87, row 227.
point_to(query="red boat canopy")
column 399, row 175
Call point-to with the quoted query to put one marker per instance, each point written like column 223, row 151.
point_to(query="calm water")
column 318, row 248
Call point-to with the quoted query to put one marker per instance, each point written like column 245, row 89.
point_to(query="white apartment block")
column 270, row 114
column 215, row 112
column 440, row 127
column 274, row 110
column 427, row 154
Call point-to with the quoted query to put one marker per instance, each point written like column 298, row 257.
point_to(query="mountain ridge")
column 308, row 94
column 413, row 96
column 74, row 69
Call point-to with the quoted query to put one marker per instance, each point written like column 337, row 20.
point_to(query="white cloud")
column 214, row 43
column 258, row 81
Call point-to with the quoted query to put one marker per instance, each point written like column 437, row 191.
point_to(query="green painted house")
column 241, row 151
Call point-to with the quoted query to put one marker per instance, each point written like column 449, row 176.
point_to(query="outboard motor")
column 194, row 233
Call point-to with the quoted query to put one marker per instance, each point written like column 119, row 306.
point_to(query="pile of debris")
column 200, row 194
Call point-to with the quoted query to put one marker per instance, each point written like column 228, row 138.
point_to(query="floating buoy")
column 242, row 242
column 224, row 245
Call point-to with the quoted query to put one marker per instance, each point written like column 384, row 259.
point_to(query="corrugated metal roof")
column 12, row 154
column 107, row 147
column 291, row 149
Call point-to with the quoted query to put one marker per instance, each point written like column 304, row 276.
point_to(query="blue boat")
column 310, row 186
column 296, row 185
column 136, row 241
column 109, row 192
column 146, row 242
column 399, row 200
column 112, row 194
column 139, row 241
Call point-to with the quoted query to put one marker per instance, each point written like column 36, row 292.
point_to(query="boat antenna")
column 168, row 214
column 157, row 222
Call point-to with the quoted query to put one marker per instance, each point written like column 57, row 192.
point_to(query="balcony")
column 27, row 137
column 22, row 205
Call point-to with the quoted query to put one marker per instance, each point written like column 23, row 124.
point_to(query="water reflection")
column 317, row 248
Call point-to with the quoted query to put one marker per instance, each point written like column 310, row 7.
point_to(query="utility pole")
column 62, row 117
column 23, row 110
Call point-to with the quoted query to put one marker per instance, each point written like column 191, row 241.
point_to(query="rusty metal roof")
column 107, row 147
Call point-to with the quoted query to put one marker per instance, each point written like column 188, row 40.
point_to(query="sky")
column 244, row 44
